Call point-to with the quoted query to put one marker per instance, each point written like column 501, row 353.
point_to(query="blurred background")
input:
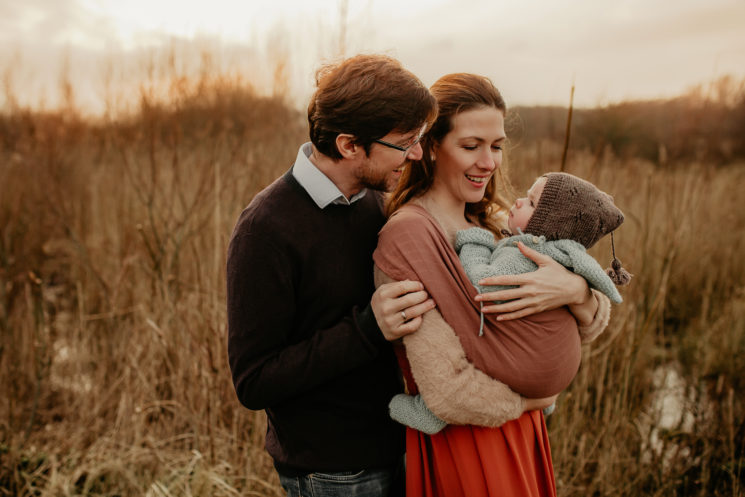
column 533, row 50
column 132, row 134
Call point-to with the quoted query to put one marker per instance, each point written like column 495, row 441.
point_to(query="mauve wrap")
column 537, row 356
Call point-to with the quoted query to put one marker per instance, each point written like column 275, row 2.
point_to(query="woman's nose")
column 486, row 161
column 519, row 203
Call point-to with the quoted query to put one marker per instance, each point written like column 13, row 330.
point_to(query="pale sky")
column 532, row 49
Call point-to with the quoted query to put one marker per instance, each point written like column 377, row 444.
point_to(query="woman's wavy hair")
column 456, row 93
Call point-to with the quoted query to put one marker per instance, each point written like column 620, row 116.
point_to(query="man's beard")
column 373, row 180
column 380, row 184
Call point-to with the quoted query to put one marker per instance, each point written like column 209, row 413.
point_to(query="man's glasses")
column 406, row 149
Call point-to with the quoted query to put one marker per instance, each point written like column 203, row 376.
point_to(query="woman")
column 455, row 187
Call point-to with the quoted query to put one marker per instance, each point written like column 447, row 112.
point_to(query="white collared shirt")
column 322, row 190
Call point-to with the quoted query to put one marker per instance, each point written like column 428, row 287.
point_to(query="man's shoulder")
column 277, row 191
column 268, row 207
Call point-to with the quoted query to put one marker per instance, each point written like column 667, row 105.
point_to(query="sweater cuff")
column 600, row 321
column 368, row 325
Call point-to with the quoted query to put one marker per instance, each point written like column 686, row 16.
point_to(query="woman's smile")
column 478, row 180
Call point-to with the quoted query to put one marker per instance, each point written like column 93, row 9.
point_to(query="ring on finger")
column 403, row 315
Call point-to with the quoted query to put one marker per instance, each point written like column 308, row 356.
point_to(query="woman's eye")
column 470, row 147
column 496, row 147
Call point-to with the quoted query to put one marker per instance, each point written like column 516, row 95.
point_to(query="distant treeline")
column 705, row 125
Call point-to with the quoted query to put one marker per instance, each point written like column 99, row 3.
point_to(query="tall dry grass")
column 655, row 408
column 112, row 303
column 113, row 236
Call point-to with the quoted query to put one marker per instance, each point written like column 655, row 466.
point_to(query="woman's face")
column 469, row 154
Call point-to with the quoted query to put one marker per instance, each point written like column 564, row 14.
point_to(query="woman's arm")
column 450, row 385
column 585, row 312
column 549, row 287
column 589, row 332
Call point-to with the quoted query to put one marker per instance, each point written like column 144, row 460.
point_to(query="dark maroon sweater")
column 303, row 343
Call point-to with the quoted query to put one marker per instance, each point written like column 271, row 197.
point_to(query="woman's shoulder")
column 410, row 216
column 411, row 228
column 410, row 211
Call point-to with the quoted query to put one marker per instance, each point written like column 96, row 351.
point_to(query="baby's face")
column 523, row 208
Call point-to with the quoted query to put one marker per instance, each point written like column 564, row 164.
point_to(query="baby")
column 561, row 216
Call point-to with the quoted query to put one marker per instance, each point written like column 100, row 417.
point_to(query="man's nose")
column 415, row 152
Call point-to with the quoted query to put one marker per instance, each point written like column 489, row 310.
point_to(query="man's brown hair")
column 367, row 96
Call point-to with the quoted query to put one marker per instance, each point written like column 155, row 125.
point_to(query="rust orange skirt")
column 473, row 461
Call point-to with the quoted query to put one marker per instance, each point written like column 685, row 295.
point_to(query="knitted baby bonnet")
column 573, row 208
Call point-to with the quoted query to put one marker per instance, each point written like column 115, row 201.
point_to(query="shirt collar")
column 321, row 189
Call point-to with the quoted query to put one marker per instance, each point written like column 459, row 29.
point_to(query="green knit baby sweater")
column 482, row 256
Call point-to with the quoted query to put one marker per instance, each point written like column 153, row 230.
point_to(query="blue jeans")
column 365, row 483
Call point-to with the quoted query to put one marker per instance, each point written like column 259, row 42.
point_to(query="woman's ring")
column 403, row 315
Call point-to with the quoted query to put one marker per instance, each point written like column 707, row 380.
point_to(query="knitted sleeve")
column 573, row 255
column 410, row 410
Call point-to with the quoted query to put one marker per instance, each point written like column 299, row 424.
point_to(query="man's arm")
column 398, row 307
column 268, row 364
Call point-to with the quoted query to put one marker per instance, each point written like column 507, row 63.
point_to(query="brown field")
column 113, row 234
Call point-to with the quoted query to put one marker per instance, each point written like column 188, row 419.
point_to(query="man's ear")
column 345, row 144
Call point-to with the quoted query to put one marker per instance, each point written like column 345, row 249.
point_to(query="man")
column 308, row 339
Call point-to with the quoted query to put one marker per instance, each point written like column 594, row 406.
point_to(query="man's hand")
column 548, row 287
column 398, row 307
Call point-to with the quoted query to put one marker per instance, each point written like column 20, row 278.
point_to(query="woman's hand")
column 548, row 287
